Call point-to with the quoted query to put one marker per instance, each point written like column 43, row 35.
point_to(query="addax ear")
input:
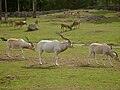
column 111, row 47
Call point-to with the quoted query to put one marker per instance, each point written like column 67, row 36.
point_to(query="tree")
column 6, row 10
column 34, row 8
column 0, row 9
column 18, row 5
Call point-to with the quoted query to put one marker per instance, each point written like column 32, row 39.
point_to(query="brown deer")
column 65, row 25
column 36, row 22
column 7, row 22
column 76, row 23
column 20, row 23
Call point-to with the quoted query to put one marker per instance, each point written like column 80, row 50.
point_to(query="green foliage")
column 26, row 5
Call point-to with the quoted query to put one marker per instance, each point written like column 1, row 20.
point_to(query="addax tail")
column 3, row 39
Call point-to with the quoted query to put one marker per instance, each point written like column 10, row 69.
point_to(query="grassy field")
column 73, row 73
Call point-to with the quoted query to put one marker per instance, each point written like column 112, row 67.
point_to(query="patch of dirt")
column 37, row 66
column 9, row 59
column 54, row 20
column 8, row 78
column 68, row 21
column 118, row 14
column 97, row 17
column 97, row 31
column 55, row 23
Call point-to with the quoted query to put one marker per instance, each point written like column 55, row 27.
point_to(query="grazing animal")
column 103, row 49
column 18, row 44
column 4, row 22
column 53, row 46
column 7, row 22
column 76, row 23
column 20, row 23
column 11, row 22
column 65, row 25
column 36, row 22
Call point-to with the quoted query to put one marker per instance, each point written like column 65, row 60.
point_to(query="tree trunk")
column 18, row 5
column 34, row 8
column 6, row 17
column 0, row 9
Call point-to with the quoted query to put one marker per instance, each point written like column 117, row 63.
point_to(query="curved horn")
column 64, row 37
column 27, row 39
column 115, row 53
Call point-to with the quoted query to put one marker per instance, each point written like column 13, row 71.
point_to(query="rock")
column 32, row 27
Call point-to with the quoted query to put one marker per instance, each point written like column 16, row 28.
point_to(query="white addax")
column 65, row 25
column 103, row 49
column 53, row 46
column 18, row 44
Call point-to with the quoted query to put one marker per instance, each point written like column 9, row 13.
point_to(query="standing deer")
column 76, row 23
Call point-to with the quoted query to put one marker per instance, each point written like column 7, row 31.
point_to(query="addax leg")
column 103, row 59
column 40, row 53
column 89, row 58
column 56, row 58
column 95, row 59
column 108, row 57
column 8, row 52
column 22, row 53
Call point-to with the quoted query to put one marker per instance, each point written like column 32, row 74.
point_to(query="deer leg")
column 62, row 29
column 40, row 53
column 79, row 25
column 21, row 25
column 56, row 58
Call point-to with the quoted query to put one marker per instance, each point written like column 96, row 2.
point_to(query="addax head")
column 31, row 44
column 115, row 56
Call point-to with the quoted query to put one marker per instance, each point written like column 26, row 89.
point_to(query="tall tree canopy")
column 0, row 9
column 27, row 5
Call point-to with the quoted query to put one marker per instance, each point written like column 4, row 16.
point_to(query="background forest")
column 42, row 5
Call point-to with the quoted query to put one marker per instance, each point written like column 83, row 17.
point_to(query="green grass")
column 73, row 73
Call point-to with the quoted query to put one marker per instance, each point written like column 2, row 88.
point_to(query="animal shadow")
column 93, row 66
column 40, row 67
